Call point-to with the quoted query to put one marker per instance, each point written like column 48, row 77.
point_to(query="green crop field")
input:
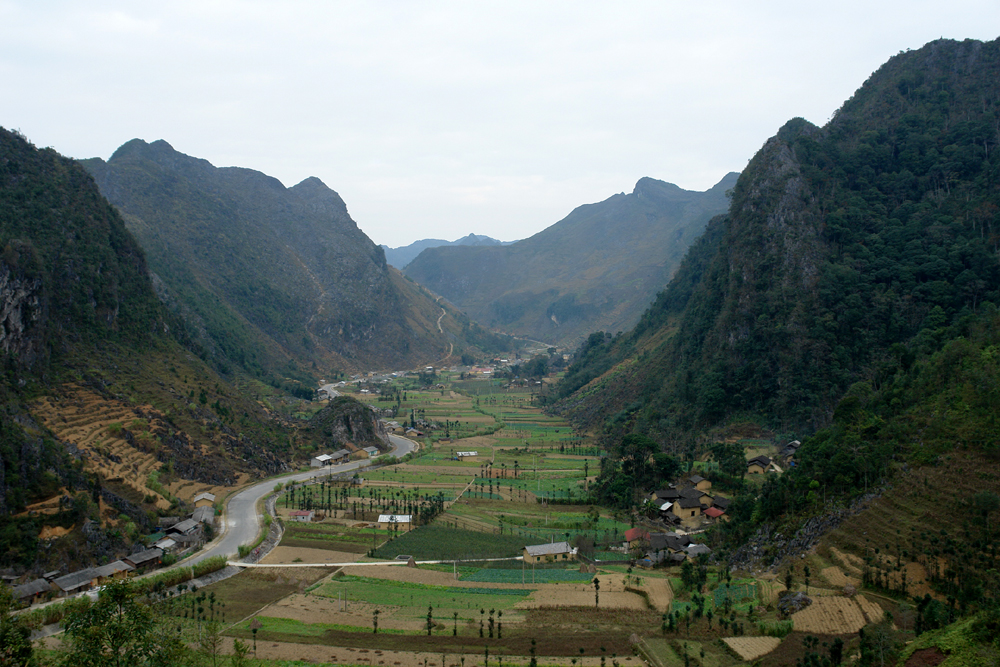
column 525, row 575
column 440, row 542
column 415, row 598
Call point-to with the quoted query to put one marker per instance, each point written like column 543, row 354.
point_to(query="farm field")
column 492, row 504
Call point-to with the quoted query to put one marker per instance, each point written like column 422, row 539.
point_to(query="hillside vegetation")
column 847, row 252
column 110, row 415
column 275, row 281
column 598, row 268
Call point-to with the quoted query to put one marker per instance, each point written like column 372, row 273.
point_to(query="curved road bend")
column 242, row 523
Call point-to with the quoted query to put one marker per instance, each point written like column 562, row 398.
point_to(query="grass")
column 415, row 598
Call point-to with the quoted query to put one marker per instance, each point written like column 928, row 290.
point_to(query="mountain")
column 277, row 281
column 598, row 268
column 849, row 252
column 100, row 384
column 403, row 255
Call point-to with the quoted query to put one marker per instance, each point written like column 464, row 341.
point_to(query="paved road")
column 241, row 518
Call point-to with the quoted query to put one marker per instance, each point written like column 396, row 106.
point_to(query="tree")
column 731, row 458
column 597, row 591
column 119, row 630
column 15, row 637
column 986, row 502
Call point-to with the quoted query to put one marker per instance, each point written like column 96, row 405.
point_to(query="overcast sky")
column 437, row 119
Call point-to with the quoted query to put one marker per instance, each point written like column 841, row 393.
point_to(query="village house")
column 341, row 456
column 700, row 483
column 112, row 571
column 75, row 582
column 556, row 551
column 687, row 508
column 168, row 544
column 391, row 521
column 758, row 465
column 204, row 499
column 204, row 515
column 304, row 516
column 33, row 591
column 145, row 559
column 635, row 537
column 372, row 452
column 697, row 494
column 320, row 461
column 185, row 527
column 665, row 495
column 714, row 513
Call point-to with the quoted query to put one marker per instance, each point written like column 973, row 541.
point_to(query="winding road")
column 242, row 522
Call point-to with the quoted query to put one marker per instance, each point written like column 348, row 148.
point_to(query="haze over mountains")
column 598, row 268
column 403, row 255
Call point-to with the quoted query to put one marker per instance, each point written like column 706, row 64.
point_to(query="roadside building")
column 204, row 515
column 341, row 456
column 372, row 452
column 168, row 544
column 320, row 461
column 145, row 560
column 33, row 591
column 304, row 516
column 204, row 499
column 116, row 570
column 75, row 582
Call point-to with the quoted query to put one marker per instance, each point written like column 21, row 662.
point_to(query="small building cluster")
column 336, row 458
column 177, row 536
column 667, row 548
column 690, row 504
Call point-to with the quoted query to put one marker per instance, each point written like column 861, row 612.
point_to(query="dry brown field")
column 751, row 648
column 836, row 615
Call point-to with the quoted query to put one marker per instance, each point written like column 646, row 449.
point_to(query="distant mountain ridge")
column 598, row 268
column 403, row 255
column 279, row 281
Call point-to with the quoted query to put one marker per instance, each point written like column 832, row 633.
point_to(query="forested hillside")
column 276, row 281
column 848, row 252
column 598, row 268
column 71, row 276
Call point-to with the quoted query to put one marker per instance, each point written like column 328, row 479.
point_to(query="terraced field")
column 100, row 429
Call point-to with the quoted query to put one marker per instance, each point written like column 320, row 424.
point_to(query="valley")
column 765, row 430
